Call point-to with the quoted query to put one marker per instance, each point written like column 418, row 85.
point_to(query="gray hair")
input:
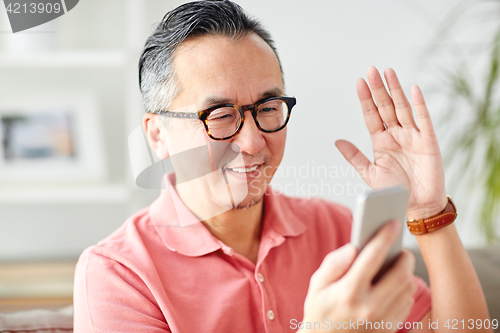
column 193, row 19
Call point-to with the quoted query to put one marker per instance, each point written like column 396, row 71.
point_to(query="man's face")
column 212, row 70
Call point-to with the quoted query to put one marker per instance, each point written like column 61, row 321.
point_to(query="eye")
column 223, row 116
column 271, row 106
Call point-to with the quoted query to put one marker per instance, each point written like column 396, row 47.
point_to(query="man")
column 258, row 261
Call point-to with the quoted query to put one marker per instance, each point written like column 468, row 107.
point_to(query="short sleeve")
column 109, row 297
column 422, row 305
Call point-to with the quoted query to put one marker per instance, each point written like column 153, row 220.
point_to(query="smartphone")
column 373, row 210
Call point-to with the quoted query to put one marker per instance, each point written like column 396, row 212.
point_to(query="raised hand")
column 404, row 153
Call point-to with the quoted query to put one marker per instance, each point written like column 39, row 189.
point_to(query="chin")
column 256, row 192
column 248, row 203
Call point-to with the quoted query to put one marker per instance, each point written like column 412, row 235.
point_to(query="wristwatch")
column 423, row 226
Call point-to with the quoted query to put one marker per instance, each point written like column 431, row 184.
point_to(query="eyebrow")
column 215, row 100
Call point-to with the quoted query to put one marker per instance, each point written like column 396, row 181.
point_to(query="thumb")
column 354, row 156
column 333, row 267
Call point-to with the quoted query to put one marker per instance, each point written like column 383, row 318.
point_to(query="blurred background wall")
column 93, row 51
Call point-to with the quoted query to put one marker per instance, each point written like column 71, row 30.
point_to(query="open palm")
column 404, row 154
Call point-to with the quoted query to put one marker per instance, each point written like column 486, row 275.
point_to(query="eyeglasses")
column 224, row 121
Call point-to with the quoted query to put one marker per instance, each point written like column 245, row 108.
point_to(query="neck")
column 239, row 229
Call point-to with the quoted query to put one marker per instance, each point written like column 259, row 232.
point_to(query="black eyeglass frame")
column 203, row 115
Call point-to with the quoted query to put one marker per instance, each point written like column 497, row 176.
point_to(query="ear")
column 155, row 134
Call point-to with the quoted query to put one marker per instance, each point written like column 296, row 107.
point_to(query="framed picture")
column 51, row 137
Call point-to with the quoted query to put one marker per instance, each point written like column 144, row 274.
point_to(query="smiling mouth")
column 244, row 170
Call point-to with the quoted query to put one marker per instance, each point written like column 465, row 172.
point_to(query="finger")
column 389, row 302
column 400, row 308
column 401, row 104
column 371, row 258
column 370, row 112
column 355, row 157
column 333, row 267
column 423, row 116
column 398, row 279
column 382, row 98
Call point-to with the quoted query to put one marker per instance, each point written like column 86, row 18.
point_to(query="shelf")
column 23, row 280
column 80, row 195
column 36, row 285
column 64, row 59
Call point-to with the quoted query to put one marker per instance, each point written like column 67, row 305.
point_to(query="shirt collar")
column 194, row 239
column 279, row 214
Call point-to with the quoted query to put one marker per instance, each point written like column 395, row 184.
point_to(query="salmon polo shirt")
column 151, row 275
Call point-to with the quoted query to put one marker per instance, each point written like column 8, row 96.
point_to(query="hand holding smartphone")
column 373, row 210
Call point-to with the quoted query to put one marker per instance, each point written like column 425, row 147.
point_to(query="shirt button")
column 270, row 314
column 260, row 277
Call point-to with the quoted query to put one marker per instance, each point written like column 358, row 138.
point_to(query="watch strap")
column 441, row 220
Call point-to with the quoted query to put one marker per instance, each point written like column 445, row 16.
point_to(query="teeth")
column 244, row 169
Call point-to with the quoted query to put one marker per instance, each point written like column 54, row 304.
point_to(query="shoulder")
column 127, row 244
column 119, row 262
column 113, row 279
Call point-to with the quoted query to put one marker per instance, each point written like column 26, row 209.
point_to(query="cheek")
column 185, row 135
column 276, row 143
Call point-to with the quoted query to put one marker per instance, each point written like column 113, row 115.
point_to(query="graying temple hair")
column 199, row 18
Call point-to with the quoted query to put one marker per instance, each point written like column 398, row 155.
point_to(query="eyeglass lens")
column 224, row 122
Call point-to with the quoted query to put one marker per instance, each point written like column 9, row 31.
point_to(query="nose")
column 250, row 139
